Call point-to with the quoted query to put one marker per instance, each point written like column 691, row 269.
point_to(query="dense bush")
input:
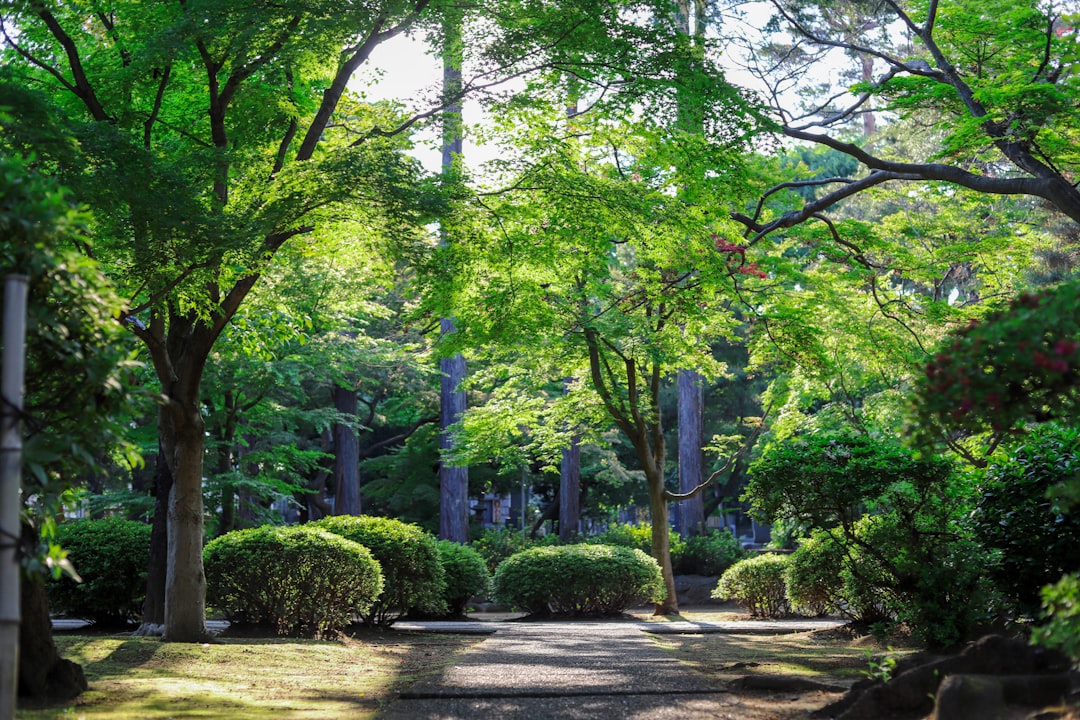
column 1037, row 540
column 756, row 583
column 878, row 576
column 708, row 554
column 466, row 575
column 300, row 581
column 638, row 537
column 815, row 585
column 1061, row 605
column 111, row 556
column 497, row 544
column 582, row 579
column 899, row 520
column 412, row 571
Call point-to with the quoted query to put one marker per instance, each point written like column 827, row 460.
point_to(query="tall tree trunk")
column 453, row 481
column 690, row 17
column 153, row 610
column 43, row 674
column 346, row 456
column 183, row 441
column 570, row 491
column 691, row 456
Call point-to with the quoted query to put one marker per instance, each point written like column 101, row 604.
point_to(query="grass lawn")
column 246, row 678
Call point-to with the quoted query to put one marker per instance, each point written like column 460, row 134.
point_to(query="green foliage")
column 497, row 544
column 409, row 557
column 1014, row 366
column 897, row 519
column 826, row 478
column 708, row 554
column 635, row 536
column 300, row 581
column 1061, row 605
column 1015, row 516
column 815, row 585
column 78, row 388
column 111, row 557
column 757, row 583
column 578, row 580
column 466, row 575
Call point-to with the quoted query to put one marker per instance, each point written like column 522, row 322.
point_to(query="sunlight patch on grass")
column 246, row 679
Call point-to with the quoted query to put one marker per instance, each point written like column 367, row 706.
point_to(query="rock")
column 917, row 680
column 984, row 696
column 970, row 697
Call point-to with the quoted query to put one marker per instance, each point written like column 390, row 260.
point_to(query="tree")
column 453, row 479
column 76, row 395
column 597, row 271
column 216, row 108
column 991, row 80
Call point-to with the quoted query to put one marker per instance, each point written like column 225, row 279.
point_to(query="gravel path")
column 569, row 671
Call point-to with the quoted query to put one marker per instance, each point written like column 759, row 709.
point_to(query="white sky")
column 402, row 70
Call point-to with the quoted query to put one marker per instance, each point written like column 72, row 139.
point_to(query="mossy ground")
column 245, row 678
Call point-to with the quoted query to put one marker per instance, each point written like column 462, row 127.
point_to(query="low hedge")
column 758, row 584
column 111, row 556
column 578, row 580
column 412, row 570
column 466, row 575
column 299, row 581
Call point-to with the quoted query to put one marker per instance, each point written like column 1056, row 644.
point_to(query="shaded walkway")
column 579, row 670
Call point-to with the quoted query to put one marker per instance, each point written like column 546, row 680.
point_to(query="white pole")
column 11, row 403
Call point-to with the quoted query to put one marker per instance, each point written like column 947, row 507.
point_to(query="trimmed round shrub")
column 466, row 575
column 581, row 580
column 757, row 583
column 708, row 554
column 111, row 556
column 814, row 582
column 413, row 575
column 300, row 581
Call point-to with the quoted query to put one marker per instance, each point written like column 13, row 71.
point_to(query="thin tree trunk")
column 570, row 491
column 346, row 456
column 661, row 541
column 691, row 455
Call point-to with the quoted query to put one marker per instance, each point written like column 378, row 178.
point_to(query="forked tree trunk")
column 346, row 456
